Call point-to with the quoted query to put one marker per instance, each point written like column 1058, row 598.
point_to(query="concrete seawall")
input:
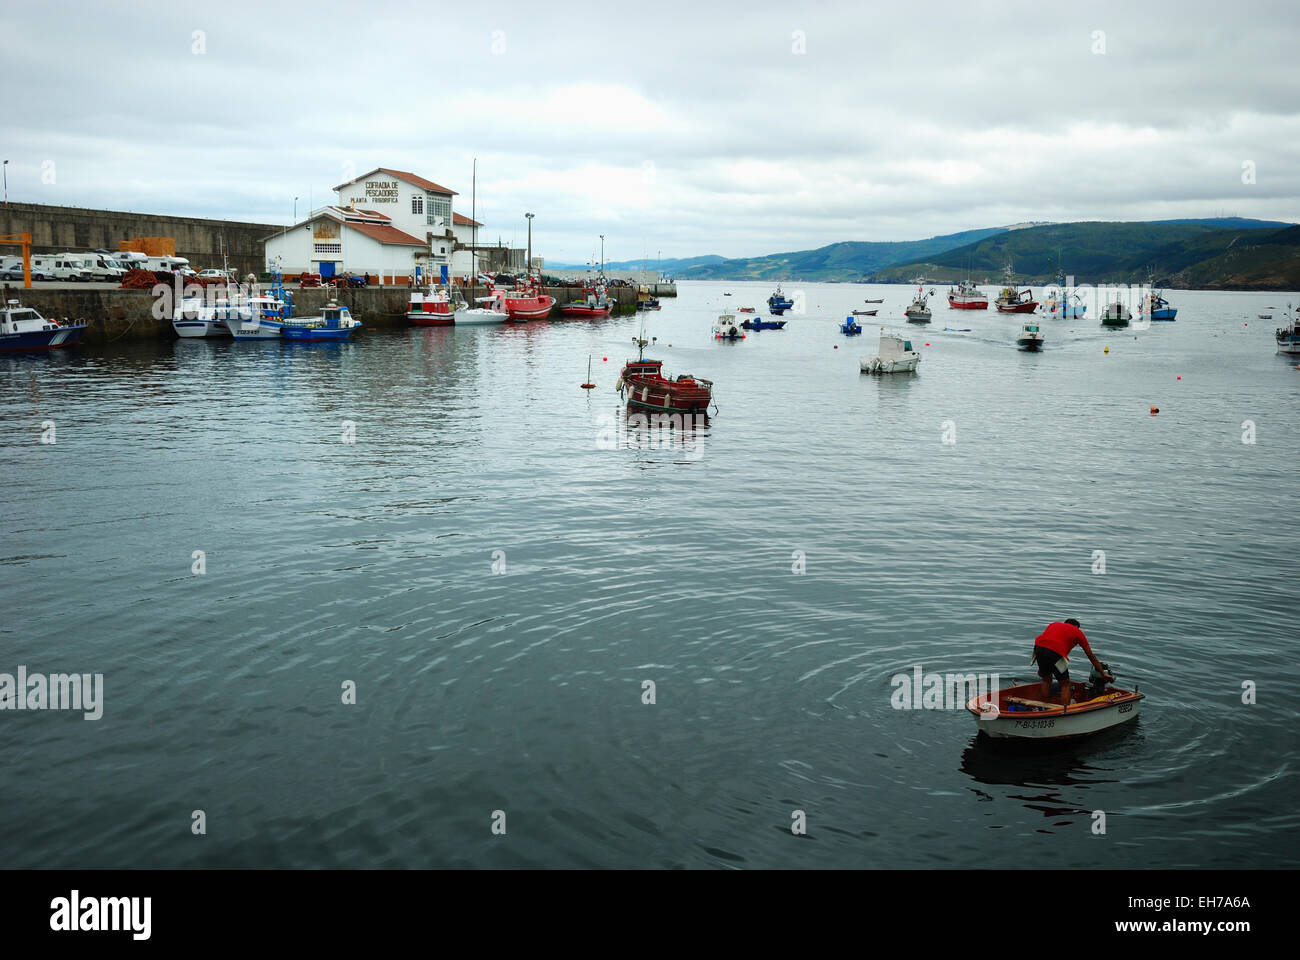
column 114, row 315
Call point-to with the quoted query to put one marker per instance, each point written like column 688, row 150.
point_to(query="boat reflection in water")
column 1050, row 777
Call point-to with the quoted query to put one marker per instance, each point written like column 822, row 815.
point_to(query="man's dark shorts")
column 1051, row 665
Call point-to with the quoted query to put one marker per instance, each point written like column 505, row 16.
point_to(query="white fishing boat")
column 263, row 319
column 919, row 310
column 894, row 355
column 726, row 328
column 1017, row 713
column 495, row 311
column 198, row 318
column 1288, row 338
column 1031, row 337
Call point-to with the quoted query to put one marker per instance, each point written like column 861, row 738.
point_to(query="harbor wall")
column 57, row 229
column 117, row 315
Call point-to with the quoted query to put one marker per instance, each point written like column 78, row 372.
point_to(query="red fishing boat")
column 967, row 297
column 647, row 387
column 1011, row 302
column 433, row 308
column 528, row 300
column 595, row 303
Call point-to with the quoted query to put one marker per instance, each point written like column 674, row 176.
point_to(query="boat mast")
column 473, row 215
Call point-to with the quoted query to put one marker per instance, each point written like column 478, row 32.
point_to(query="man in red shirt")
column 1052, row 654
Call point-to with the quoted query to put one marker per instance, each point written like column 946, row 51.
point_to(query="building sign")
column 378, row 191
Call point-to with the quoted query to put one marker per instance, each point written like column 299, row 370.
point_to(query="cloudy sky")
column 697, row 128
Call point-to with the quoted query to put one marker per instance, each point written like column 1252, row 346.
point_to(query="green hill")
column 1252, row 253
column 849, row 260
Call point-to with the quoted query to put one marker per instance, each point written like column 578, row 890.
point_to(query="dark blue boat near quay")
column 850, row 327
column 24, row 329
column 756, row 323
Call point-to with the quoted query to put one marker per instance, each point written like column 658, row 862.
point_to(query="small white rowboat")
column 1018, row 713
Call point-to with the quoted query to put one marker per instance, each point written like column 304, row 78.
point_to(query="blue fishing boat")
column 22, row 328
column 778, row 303
column 755, row 323
column 1156, row 307
column 334, row 323
column 850, row 327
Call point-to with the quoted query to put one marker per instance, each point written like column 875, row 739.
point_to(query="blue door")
column 326, row 269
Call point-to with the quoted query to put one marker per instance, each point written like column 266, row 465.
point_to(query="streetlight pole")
column 528, row 267
column 602, row 254
column 295, row 211
column 6, row 172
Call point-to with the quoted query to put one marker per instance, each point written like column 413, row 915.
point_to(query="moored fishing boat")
column 1009, row 301
column 778, row 303
column 1031, row 337
column 528, row 301
column 1156, row 307
column 333, row 323
column 644, row 301
column 1063, row 303
column 894, row 355
column 23, row 328
column 850, row 327
column 919, row 309
column 758, row 324
column 967, row 297
column 646, row 387
column 432, row 307
column 195, row 317
column 865, row 313
column 1116, row 315
column 595, row 303
column 1016, row 713
column 494, row 312
column 726, row 328
column 1288, row 338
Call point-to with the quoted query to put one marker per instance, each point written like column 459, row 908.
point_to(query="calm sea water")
column 500, row 567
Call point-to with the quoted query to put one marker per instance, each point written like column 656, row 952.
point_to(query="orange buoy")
column 1154, row 411
column 1180, row 376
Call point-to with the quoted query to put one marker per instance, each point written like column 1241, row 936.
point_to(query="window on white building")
column 417, row 204
column 439, row 208
column 329, row 248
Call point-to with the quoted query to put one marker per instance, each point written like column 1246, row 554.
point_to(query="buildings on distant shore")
column 389, row 224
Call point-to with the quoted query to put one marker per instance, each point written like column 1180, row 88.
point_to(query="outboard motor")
column 1096, row 681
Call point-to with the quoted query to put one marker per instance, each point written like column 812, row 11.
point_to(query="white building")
column 387, row 224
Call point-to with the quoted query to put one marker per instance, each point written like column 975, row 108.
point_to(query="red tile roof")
column 402, row 175
column 386, row 234
column 460, row 220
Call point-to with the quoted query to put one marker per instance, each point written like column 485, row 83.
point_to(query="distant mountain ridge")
column 1211, row 252
column 1217, row 252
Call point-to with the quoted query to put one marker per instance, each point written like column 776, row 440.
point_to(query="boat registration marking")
column 1024, row 724
column 1125, row 707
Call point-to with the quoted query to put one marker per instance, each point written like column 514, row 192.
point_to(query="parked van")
column 169, row 265
column 132, row 259
column 101, row 266
column 60, row 267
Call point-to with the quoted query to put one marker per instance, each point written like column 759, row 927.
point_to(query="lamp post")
column 602, row 254
column 295, row 209
column 528, row 267
column 6, row 172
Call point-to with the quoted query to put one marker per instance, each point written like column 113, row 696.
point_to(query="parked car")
column 16, row 273
column 212, row 273
column 351, row 280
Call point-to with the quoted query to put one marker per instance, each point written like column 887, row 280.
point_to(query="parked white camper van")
column 170, row 265
column 100, row 266
column 60, row 267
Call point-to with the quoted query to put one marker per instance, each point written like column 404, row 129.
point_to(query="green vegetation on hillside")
column 1182, row 254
